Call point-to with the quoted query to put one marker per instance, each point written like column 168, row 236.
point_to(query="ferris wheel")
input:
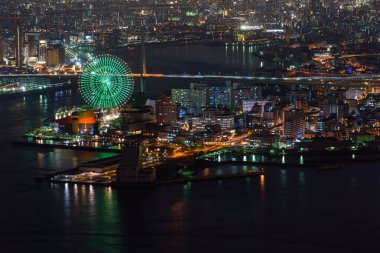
column 106, row 82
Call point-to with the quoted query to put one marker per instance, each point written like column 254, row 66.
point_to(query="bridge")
column 343, row 81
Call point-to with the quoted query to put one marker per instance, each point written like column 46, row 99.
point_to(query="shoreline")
column 37, row 91
column 62, row 146
column 365, row 151
column 169, row 172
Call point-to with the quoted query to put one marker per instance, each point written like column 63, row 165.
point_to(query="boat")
column 329, row 167
column 215, row 43
column 39, row 179
column 107, row 144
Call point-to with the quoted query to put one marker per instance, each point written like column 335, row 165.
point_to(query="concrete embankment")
column 62, row 146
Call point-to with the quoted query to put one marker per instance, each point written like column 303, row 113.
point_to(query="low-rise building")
column 323, row 144
column 135, row 119
column 226, row 122
column 77, row 120
column 361, row 139
column 265, row 140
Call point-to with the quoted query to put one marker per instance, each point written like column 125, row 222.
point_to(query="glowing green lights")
column 106, row 82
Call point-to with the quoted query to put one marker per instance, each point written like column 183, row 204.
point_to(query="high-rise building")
column 247, row 105
column 243, row 92
column 182, row 97
column 1, row 47
column 315, row 7
column 31, row 48
column 301, row 104
column 42, row 51
column 376, row 4
column 195, row 97
column 293, row 123
column 336, row 107
column 219, row 96
column 166, row 112
column 199, row 93
column 55, row 54
column 354, row 93
column 199, row 98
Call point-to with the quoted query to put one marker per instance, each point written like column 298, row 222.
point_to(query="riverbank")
column 42, row 91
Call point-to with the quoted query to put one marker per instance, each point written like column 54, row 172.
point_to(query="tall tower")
column 42, row 51
column 131, row 162
column 130, row 170
column 143, row 60
column 19, row 43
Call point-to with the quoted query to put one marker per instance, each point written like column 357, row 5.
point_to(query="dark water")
column 287, row 210
column 195, row 59
column 191, row 59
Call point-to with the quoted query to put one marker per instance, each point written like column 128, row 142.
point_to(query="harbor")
column 103, row 172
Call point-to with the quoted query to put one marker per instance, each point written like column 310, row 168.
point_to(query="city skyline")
column 190, row 126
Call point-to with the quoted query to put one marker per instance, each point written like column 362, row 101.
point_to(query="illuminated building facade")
column 226, row 122
column 195, row 97
column 247, row 105
column 75, row 120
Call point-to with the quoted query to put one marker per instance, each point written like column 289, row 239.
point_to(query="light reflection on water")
column 283, row 178
column 213, row 60
column 301, row 159
column 226, row 170
column 91, row 195
column 88, row 199
column 262, row 189
column 174, row 210
column 248, row 182
column 220, row 184
column 76, row 197
column 354, row 182
column 109, row 200
column 178, row 212
column 41, row 160
column 67, row 200
column 301, row 178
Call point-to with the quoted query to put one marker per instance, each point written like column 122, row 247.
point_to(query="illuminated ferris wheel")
column 106, row 82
